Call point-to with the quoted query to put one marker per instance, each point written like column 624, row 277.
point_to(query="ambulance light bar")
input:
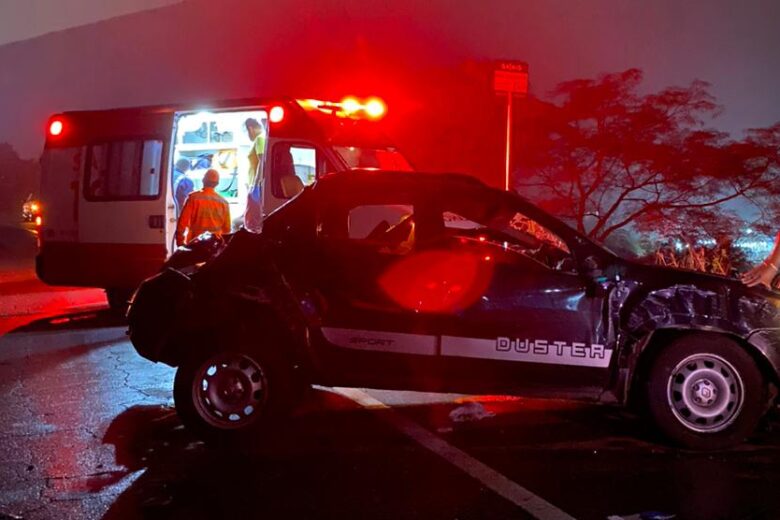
column 351, row 107
column 276, row 114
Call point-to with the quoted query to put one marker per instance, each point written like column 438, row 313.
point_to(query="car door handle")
column 157, row 221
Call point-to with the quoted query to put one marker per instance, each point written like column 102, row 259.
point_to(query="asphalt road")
column 87, row 430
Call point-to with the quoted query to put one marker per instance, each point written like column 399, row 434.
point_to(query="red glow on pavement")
column 488, row 399
column 437, row 281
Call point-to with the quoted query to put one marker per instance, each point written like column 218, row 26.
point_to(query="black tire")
column 118, row 300
column 705, row 392
column 229, row 393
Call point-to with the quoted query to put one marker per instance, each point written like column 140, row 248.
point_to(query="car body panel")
column 532, row 310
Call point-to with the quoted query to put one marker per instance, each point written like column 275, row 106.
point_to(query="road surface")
column 87, row 430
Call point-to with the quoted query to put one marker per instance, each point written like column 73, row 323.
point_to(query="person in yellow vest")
column 254, row 204
column 204, row 210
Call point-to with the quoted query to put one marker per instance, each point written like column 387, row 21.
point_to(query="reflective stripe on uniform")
column 204, row 210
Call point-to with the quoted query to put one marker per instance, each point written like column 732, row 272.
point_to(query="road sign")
column 510, row 77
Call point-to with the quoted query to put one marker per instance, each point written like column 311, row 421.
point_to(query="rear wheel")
column 705, row 393
column 229, row 393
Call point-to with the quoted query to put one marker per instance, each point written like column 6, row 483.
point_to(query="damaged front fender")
column 723, row 309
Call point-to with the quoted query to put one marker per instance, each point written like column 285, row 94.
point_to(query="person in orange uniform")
column 204, row 210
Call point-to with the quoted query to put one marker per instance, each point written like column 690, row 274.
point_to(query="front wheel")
column 227, row 394
column 705, row 393
column 118, row 299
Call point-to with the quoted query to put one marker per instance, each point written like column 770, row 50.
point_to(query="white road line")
column 490, row 478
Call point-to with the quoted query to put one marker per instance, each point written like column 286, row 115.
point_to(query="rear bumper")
column 76, row 264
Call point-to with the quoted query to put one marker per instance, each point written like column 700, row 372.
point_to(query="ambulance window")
column 376, row 158
column 123, row 170
column 294, row 166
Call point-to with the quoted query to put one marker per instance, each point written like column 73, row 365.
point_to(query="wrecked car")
column 437, row 282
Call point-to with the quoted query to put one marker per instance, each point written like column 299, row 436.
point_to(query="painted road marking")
column 490, row 478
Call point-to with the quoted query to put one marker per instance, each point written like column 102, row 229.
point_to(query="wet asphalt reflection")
column 88, row 430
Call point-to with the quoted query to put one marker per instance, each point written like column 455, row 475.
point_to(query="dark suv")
column 438, row 282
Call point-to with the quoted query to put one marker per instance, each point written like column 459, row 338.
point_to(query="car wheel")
column 705, row 393
column 227, row 394
column 118, row 300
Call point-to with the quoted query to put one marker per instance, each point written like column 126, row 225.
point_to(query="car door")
column 105, row 205
column 535, row 322
column 370, row 339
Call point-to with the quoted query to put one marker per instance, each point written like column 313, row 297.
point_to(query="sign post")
column 510, row 77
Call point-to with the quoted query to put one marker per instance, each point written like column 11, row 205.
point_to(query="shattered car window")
column 366, row 221
column 514, row 232
column 524, row 224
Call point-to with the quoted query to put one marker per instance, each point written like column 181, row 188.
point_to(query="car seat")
column 291, row 185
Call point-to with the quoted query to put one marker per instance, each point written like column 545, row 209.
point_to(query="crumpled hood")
column 677, row 297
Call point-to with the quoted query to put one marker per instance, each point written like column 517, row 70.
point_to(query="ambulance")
column 108, row 178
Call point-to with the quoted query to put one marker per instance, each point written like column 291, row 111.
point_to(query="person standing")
column 182, row 185
column 254, row 205
column 204, row 210
column 766, row 271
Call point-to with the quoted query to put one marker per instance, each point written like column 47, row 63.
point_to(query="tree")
column 19, row 177
column 608, row 157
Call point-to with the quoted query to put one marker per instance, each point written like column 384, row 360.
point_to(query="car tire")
column 228, row 394
column 118, row 300
column 705, row 392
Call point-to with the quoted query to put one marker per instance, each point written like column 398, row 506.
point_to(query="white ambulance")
column 108, row 208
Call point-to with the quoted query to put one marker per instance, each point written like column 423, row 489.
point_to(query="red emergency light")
column 350, row 107
column 375, row 108
column 276, row 114
column 56, row 127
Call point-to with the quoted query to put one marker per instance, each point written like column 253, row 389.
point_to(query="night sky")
column 200, row 50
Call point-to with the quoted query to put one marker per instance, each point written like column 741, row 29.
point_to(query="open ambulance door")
column 106, row 202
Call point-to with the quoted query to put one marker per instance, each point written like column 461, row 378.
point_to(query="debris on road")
column 470, row 412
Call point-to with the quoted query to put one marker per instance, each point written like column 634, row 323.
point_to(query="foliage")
column 609, row 157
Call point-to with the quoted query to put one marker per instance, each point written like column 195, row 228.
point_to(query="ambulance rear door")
column 122, row 201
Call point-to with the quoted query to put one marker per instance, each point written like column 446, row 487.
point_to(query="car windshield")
column 379, row 158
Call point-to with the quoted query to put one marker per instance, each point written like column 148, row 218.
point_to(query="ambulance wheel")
column 706, row 392
column 228, row 394
column 118, row 299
